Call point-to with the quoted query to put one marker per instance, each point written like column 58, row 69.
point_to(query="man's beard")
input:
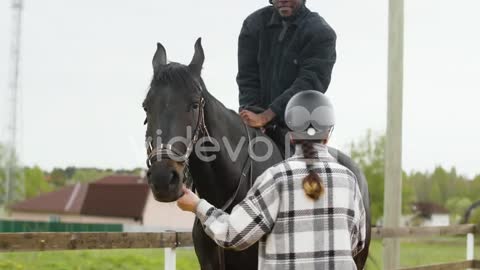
column 289, row 10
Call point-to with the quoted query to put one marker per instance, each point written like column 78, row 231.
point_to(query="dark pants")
column 278, row 134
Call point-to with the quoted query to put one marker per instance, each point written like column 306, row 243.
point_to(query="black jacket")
column 277, row 59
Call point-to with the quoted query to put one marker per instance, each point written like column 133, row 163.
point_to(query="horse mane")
column 174, row 74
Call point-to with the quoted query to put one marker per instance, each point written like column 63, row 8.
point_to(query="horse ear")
column 198, row 58
column 160, row 57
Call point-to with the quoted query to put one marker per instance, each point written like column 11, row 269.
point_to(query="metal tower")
column 11, row 170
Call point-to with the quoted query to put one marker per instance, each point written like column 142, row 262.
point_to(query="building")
column 113, row 199
column 429, row 214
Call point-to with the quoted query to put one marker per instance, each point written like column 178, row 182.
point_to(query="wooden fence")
column 15, row 242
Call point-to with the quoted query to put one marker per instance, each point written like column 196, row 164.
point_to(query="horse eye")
column 195, row 105
column 146, row 121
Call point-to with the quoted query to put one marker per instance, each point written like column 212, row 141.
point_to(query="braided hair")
column 312, row 184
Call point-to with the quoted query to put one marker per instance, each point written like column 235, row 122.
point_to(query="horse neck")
column 217, row 180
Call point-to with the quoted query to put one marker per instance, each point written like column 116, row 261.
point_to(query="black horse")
column 179, row 106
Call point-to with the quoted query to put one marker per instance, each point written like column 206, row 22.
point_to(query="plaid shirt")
column 295, row 232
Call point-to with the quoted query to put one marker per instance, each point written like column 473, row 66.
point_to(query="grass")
column 416, row 253
column 412, row 254
column 141, row 259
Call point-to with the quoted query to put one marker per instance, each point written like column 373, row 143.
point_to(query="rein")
column 248, row 165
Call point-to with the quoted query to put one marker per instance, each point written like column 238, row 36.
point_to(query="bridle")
column 169, row 151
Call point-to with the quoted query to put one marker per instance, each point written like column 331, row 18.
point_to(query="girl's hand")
column 189, row 200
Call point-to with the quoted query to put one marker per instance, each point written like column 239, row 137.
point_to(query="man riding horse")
column 223, row 181
column 282, row 49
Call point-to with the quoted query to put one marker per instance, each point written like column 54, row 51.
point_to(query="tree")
column 35, row 182
column 69, row 172
column 443, row 183
column 457, row 207
column 58, row 177
column 422, row 186
column 474, row 189
column 369, row 154
column 2, row 173
column 5, row 161
column 85, row 175
column 408, row 194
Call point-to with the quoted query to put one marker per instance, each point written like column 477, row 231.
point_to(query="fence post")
column 470, row 246
column 170, row 258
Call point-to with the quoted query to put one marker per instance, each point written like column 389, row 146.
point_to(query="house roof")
column 120, row 200
column 112, row 196
column 65, row 200
column 429, row 208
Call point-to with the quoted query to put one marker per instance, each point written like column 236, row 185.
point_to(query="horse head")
column 174, row 109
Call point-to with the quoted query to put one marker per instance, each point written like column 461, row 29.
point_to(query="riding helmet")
column 310, row 116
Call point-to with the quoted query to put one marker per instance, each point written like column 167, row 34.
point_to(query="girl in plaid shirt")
column 306, row 212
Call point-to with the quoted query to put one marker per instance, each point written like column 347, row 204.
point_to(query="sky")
column 86, row 67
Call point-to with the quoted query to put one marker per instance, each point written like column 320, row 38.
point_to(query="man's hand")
column 189, row 200
column 257, row 120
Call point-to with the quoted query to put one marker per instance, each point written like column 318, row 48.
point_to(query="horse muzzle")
column 165, row 179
